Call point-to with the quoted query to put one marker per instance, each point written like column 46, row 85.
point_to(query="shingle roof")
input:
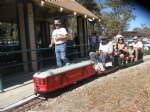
column 71, row 5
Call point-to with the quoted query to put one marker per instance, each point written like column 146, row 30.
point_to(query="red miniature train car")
column 55, row 79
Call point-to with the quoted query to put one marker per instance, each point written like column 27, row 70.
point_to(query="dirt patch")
column 127, row 90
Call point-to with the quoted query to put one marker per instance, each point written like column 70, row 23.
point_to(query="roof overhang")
column 68, row 5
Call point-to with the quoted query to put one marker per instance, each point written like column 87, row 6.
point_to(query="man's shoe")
column 67, row 64
column 58, row 66
column 91, row 61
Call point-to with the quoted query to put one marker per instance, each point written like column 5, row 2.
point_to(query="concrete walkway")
column 16, row 93
column 20, row 92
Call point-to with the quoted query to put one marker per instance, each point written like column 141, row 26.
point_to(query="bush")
column 146, row 52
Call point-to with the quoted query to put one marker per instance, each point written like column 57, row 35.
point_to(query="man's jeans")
column 60, row 51
column 95, row 58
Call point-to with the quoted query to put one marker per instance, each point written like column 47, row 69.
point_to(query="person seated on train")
column 130, row 57
column 121, row 49
column 116, row 39
column 104, row 53
column 118, row 36
column 137, row 46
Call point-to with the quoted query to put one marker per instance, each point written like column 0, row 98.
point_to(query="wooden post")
column 1, row 85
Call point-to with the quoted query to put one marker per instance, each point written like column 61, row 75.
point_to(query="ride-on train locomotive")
column 54, row 79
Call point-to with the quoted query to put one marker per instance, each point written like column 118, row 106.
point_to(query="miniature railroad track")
column 37, row 102
column 26, row 106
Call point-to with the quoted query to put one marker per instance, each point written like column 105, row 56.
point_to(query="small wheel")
column 35, row 93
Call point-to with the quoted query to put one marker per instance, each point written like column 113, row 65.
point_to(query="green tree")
column 115, row 15
column 93, row 7
column 121, row 13
column 137, row 29
column 144, row 30
column 90, row 5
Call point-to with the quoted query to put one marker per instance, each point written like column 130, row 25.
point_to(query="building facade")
column 25, row 31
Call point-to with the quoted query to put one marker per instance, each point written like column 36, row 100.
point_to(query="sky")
column 143, row 16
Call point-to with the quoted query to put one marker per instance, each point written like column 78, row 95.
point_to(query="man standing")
column 94, row 41
column 59, row 37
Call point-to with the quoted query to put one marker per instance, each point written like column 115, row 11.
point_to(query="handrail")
column 38, row 49
column 10, row 63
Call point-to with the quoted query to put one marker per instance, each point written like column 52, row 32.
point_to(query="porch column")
column 27, row 34
column 80, row 27
column 86, row 37
column 22, row 36
column 32, row 35
column 45, row 34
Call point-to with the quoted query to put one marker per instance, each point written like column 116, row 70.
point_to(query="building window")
column 8, row 34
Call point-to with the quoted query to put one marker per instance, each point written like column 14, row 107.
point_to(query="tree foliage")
column 144, row 31
column 120, row 14
column 115, row 15
column 90, row 5
column 93, row 7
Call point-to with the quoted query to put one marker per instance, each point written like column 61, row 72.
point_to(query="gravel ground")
column 127, row 90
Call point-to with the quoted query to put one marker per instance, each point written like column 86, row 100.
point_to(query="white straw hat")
column 57, row 22
column 118, row 36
